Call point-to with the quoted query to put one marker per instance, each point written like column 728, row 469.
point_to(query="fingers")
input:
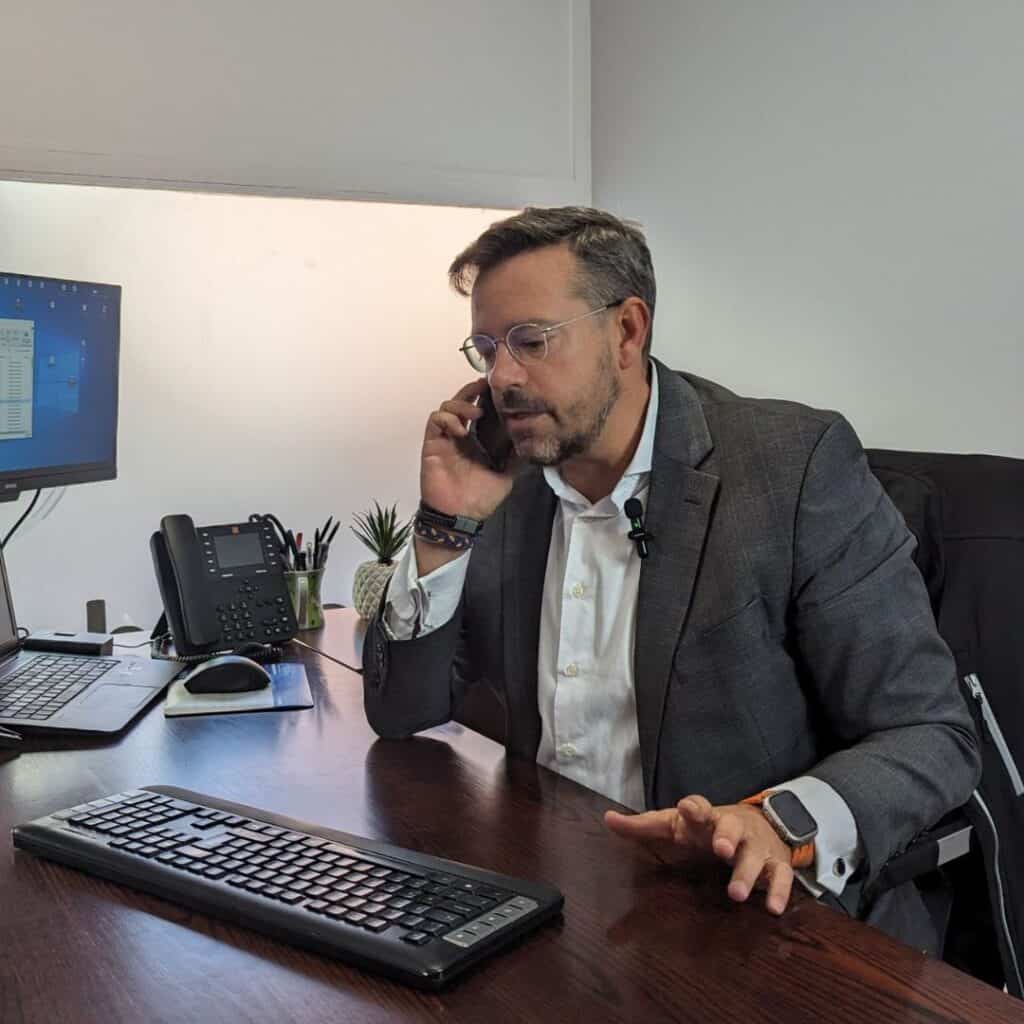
column 464, row 410
column 649, row 825
column 747, row 868
column 730, row 830
column 468, row 392
column 693, row 822
column 780, row 885
column 695, row 808
column 450, row 420
column 753, row 867
column 445, row 424
column 723, row 831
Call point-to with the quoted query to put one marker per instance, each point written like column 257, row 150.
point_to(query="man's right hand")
column 452, row 479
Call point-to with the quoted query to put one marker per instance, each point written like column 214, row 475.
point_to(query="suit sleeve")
column 413, row 662
column 882, row 678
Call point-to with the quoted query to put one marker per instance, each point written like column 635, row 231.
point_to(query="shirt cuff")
column 837, row 847
column 419, row 605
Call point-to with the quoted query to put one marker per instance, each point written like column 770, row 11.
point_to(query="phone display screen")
column 234, row 550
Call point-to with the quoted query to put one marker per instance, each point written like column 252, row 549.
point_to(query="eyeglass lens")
column 524, row 342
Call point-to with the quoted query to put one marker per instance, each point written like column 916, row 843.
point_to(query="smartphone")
column 490, row 439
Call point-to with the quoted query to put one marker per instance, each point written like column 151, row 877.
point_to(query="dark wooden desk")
column 637, row 943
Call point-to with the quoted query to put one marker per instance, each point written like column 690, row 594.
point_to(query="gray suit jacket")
column 782, row 626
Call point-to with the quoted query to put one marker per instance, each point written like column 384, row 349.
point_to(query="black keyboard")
column 46, row 683
column 412, row 916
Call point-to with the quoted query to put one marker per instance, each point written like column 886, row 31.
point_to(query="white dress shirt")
column 585, row 690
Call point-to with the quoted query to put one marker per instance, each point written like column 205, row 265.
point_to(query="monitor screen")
column 59, row 344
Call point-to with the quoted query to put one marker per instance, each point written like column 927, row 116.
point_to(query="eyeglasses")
column 526, row 343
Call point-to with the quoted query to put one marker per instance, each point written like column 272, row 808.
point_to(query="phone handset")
column 183, row 585
column 491, row 441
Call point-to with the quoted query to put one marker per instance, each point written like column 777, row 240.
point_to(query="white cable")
column 57, row 499
column 46, row 506
column 38, row 513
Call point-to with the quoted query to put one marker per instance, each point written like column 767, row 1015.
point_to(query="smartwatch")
column 793, row 823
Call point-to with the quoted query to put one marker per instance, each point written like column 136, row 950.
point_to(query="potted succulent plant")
column 380, row 531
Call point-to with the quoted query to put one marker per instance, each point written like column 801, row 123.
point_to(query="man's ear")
column 633, row 324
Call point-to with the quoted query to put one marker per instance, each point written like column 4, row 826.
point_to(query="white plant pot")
column 368, row 586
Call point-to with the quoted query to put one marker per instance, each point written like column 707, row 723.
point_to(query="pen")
column 293, row 547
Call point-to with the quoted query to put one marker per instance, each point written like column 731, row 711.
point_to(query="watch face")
column 792, row 813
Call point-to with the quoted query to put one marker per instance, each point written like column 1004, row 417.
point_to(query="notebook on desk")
column 41, row 692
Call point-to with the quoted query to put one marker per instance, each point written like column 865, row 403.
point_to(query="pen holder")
column 304, row 590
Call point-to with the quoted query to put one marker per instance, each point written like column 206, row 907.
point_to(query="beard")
column 577, row 428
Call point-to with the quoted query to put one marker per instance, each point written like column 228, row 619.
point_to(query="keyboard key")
column 213, row 842
column 194, row 851
column 416, row 938
column 476, row 902
column 456, row 908
column 435, row 914
column 248, row 833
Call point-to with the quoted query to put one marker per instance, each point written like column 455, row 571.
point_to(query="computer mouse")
column 227, row 673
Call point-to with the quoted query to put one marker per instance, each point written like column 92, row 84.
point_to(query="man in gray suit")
column 767, row 685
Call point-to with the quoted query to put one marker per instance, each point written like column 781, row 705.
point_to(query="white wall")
column 833, row 193
column 472, row 102
column 276, row 355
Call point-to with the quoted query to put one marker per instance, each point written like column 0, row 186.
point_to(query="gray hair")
column 614, row 261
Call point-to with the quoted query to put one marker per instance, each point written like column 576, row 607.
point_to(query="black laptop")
column 71, row 692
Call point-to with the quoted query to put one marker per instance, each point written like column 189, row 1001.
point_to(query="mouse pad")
column 288, row 691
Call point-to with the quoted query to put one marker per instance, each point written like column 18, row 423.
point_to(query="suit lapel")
column 530, row 509
column 679, row 506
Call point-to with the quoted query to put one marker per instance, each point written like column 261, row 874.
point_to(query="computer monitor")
column 59, row 343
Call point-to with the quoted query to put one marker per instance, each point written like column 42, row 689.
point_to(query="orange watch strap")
column 802, row 856
column 799, row 856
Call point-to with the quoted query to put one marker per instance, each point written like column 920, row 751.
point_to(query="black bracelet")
column 453, row 524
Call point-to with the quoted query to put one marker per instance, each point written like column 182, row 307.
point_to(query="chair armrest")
column 945, row 841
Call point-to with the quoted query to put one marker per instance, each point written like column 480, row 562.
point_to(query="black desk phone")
column 222, row 587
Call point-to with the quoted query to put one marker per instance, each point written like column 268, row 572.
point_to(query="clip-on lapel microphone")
column 635, row 513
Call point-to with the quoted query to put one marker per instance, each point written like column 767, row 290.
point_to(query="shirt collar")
column 633, row 480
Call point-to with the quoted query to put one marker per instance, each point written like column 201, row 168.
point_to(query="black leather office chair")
column 967, row 512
